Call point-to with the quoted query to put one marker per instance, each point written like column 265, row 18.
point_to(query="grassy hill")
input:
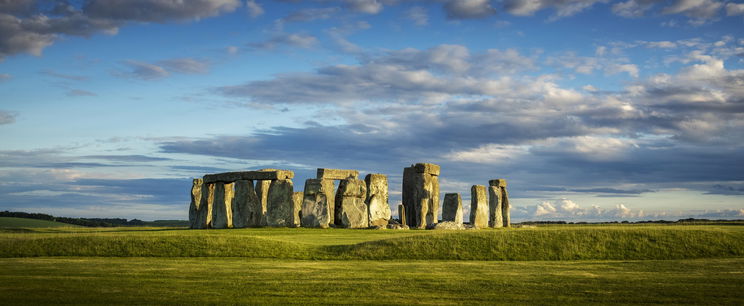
column 619, row 242
column 10, row 222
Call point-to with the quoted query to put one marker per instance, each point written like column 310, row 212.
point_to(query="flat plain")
column 575, row 264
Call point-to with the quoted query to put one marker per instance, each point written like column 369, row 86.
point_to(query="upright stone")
column 505, row 207
column 315, row 207
column 377, row 199
column 452, row 208
column 350, row 201
column 246, row 205
column 421, row 194
column 262, row 190
column 204, row 214
column 297, row 208
column 329, row 189
column 196, row 191
column 402, row 214
column 494, row 207
column 478, row 206
column 222, row 211
column 279, row 204
column 504, row 197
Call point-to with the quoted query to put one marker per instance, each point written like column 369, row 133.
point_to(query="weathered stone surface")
column 222, row 211
column 228, row 177
column 452, row 208
column 497, row 183
column 432, row 169
column 262, row 190
column 315, row 206
column 350, row 206
column 329, row 189
column 196, row 191
column 494, row 207
column 377, row 199
column 297, row 208
column 246, row 206
column 204, row 214
column 420, row 196
column 336, row 174
column 447, row 225
column 505, row 207
column 478, row 206
column 279, row 204
column 402, row 214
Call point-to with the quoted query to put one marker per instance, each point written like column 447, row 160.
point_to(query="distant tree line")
column 93, row 222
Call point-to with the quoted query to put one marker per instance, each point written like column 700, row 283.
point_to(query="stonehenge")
column 266, row 197
column 421, row 194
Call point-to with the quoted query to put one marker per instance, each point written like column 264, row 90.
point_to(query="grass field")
column 9, row 222
column 673, row 264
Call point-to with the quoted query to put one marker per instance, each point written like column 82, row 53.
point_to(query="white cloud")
column 364, row 6
column 254, row 9
column 734, row 9
column 418, row 15
column 468, row 9
column 488, row 154
column 299, row 40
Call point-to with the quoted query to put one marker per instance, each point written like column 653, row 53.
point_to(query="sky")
column 593, row 110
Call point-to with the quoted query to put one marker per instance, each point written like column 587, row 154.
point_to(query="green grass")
column 620, row 242
column 10, row 222
column 188, row 281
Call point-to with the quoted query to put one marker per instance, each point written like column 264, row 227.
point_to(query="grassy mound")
column 559, row 244
column 11, row 222
column 550, row 243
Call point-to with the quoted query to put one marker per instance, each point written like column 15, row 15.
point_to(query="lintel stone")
column 337, row 174
column 228, row 177
column 497, row 183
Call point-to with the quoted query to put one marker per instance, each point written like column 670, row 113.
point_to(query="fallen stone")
column 196, row 191
column 336, row 174
column 204, row 214
column 222, row 211
column 229, row 177
column 447, row 225
column 452, row 208
column 279, row 204
column 397, row 226
column 478, row 206
column 377, row 199
column 315, row 206
column 246, row 206
column 495, row 219
column 350, row 206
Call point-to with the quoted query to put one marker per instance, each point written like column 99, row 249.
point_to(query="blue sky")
column 592, row 110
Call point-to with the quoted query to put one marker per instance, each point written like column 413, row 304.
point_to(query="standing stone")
column 222, row 211
column 478, row 206
column 452, row 208
column 196, row 191
column 262, row 190
column 297, row 208
column 505, row 207
column 246, row 206
column 494, row 207
column 315, row 207
column 329, row 189
column 350, row 204
column 279, row 205
column 421, row 194
column 377, row 199
column 204, row 214
column 402, row 214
